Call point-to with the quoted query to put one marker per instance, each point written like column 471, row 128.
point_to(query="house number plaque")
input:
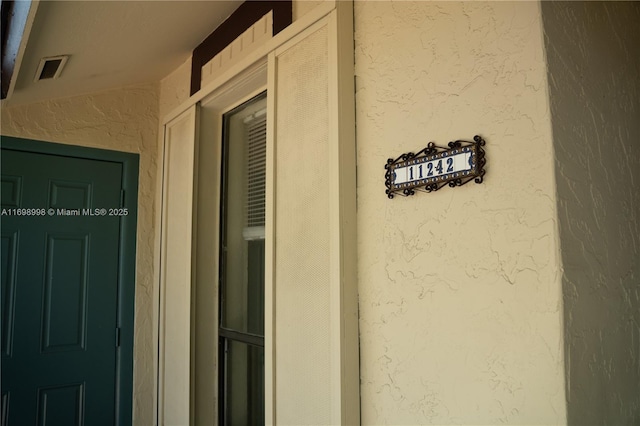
column 435, row 166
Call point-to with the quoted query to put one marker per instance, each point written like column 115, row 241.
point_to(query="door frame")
column 126, row 257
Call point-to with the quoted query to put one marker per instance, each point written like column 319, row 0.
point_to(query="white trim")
column 250, row 82
column 233, row 93
column 335, row 252
column 258, row 55
column 270, row 232
column 190, row 117
column 33, row 9
column 157, row 274
column 206, row 229
column 344, row 292
column 162, row 165
column 194, row 265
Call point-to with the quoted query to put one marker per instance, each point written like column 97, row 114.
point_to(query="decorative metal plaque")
column 436, row 166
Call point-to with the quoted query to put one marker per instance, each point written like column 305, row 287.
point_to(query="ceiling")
column 112, row 43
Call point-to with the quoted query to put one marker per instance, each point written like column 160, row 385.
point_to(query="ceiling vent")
column 50, row 67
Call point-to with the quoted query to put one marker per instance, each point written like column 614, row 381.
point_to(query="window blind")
column 256, row 140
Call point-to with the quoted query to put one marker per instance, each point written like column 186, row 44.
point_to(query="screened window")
column 241, row 331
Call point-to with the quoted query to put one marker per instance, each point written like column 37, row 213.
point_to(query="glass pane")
column 244, row 384
column 242, row 286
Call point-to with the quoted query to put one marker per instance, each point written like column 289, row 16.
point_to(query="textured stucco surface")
column 174, row 89
column 460, row 291
column 594, row 76
column 122, row 120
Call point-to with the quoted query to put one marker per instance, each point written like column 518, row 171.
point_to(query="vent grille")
column 50, row 67
column 256, row 137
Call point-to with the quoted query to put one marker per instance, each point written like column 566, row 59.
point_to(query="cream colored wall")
column 459, row 290
column 175, row 88
column 594, row 69
column 123, row 120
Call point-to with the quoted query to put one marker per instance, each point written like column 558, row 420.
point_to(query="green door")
column 60, row 289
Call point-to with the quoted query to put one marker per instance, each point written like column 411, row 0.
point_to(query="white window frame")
column 248, row 77
column 206, row 319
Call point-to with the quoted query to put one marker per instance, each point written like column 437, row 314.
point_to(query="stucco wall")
column 594, row 74
column 460, row 292
column 122, row 120
column 174, row 89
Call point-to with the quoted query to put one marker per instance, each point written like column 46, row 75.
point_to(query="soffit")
column 113, row 43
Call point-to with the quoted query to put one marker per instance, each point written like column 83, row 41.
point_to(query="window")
column 242, row 261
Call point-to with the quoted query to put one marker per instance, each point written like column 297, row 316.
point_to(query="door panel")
column 11, row 188
column 9, row 240
column 59, row 290
column 60, row 405
column 65, row 297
